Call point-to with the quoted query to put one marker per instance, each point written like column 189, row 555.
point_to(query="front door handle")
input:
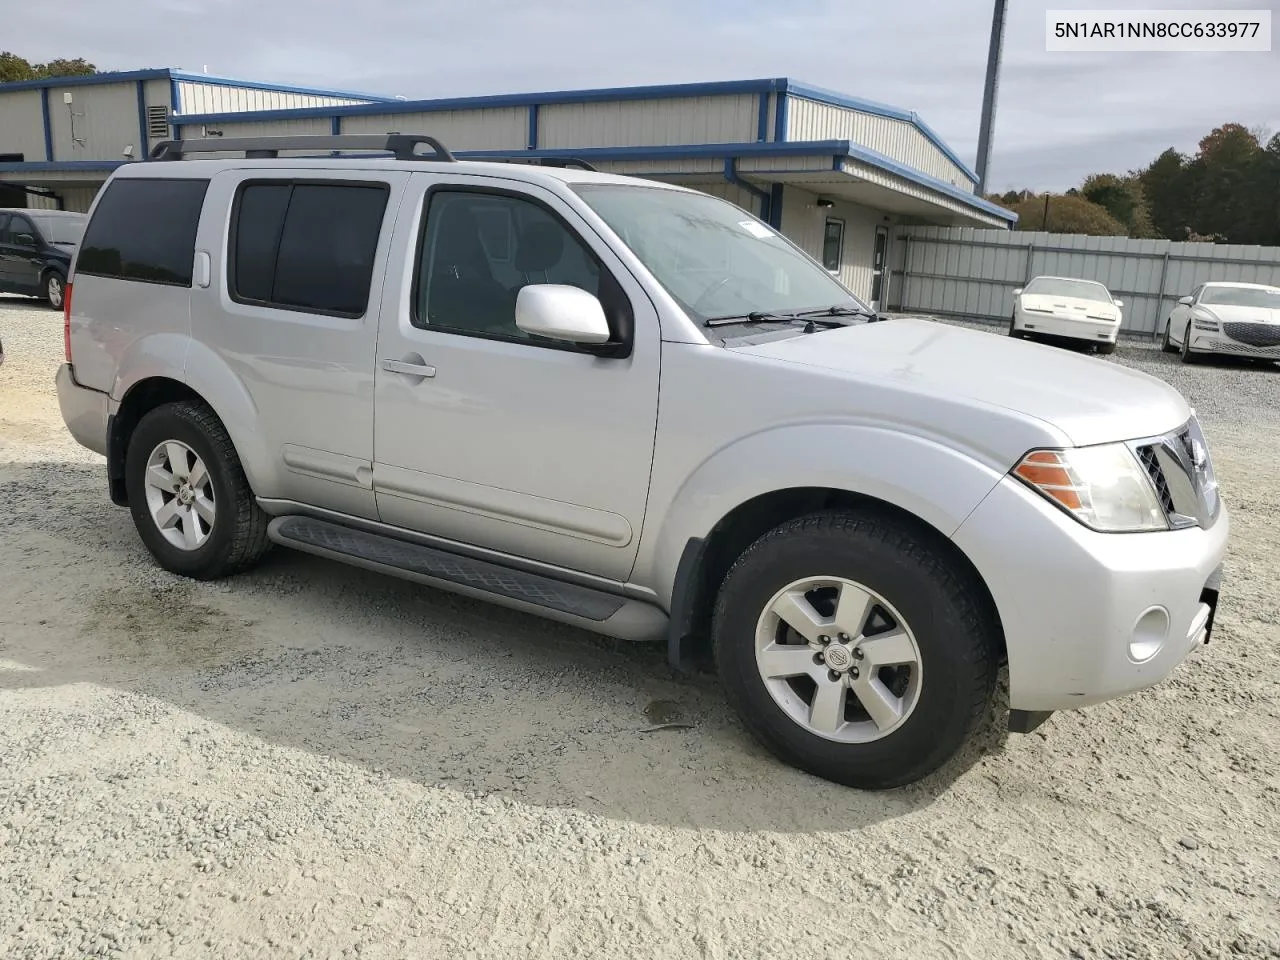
column 408, row 369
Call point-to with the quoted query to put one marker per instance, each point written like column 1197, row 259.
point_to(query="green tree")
column 1167, row 184
column 14, row 67
column 1123, row 198
column 1224, row 183
column 1067, row 214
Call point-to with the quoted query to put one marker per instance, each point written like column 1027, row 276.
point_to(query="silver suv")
column 639, row 410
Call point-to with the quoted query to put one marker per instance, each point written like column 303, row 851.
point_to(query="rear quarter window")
column 144, row 230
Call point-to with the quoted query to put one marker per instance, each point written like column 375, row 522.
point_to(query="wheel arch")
column 139, row 400
column 705, row 560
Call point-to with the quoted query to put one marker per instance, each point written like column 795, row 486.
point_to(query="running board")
column 569, row 602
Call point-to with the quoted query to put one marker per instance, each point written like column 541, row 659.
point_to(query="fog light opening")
column 1149, row 634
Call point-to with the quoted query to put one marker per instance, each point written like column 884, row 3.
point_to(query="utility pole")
column 989, row 95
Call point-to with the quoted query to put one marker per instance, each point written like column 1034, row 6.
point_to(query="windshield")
column 64, row 230
column 712, row 256
column 1059, row 287
column 1242, row 296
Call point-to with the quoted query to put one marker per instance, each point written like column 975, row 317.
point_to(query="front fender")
column 936, row 483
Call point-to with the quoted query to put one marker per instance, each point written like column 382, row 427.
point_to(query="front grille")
column 1254, row 334
column 1151, row 463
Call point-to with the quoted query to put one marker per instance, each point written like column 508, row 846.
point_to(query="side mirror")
column 561, row 312
column 1185, row 301
column 1118, row 303
column 1017, row 291
column 24, row 240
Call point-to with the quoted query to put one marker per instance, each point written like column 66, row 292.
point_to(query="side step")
column 414, row 561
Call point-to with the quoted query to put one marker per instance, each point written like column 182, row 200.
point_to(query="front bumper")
column 1052, row 325
column 1090, row 616
column 1203, row 341
column 84, row 410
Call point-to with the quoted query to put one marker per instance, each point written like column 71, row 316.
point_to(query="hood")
column 1089, row 400
column 1069, row 305
column 1233, row 313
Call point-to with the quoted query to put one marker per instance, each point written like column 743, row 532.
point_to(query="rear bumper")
column 1090, row 616
column 1050, row 325
column 84, row 410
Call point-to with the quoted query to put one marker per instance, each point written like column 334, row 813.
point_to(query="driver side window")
column 479, row 249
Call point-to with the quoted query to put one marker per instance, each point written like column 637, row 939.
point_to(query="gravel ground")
column 313, row 761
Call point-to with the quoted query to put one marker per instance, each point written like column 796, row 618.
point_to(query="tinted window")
column 479, row 250
column 307, row 246
column 144, row 230
column 61, row 230
column 18, row 225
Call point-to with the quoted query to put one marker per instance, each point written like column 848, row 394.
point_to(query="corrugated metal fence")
column 963, row 272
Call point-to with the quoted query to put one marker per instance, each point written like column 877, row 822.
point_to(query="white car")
column 1236, row 319
column 1066, row 308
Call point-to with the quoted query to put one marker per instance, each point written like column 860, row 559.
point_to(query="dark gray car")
column 36, row 247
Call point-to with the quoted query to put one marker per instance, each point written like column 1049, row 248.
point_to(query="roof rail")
column 534, row 161
column 400, row 145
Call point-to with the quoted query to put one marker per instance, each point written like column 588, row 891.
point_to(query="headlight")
column 1204, row 324
column 1104, row 487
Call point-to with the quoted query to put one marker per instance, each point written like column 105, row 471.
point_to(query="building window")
column 833, row 245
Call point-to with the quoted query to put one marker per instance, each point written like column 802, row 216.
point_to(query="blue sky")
column 1061, row 116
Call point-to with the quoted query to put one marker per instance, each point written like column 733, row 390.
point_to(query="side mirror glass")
column 1185, row 301
column 561, row 312
column 1017, row 291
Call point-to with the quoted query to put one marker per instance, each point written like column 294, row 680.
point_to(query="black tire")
column 1167, row 346
column 238, row 536
column 1188, row 356
column 1106, row 349
column 55, row 287
column 1013, row 331
column 955, row 630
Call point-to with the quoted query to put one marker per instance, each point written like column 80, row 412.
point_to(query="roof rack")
column 535, row 161
column 401, row 145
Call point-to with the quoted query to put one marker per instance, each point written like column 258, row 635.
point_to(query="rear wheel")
column 855, row 649
column 188, row 494
column 55, row 289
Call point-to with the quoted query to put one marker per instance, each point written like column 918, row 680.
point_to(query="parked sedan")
column 1064, row 308
column 1235, row 319
column 35, row 251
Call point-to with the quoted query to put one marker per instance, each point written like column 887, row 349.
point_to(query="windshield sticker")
column 758, row 230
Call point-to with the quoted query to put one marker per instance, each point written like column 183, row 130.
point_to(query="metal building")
column 836, row 174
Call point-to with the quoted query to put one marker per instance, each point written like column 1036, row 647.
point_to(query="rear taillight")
column 66, row 320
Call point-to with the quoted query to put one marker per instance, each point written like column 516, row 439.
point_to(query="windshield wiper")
column 826, row 316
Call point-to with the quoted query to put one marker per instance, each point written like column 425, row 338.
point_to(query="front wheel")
column 54, row 289
column 188, row 494
column 1013, row 328
column 1106, row 349
column 855, row 648
column 1188, row 355
column 1167, row 346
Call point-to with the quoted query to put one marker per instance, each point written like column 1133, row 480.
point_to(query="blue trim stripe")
column 48, row 125
column 142, row 118
column 775, row 206
column 126, row 76
column 614, row 94
column 533, row 126
column 175, row 96
column 780, row 115
column 335, row 125
column 762, row 123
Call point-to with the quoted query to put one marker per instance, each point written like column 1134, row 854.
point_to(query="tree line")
column 14, row 67
column 1228, row 191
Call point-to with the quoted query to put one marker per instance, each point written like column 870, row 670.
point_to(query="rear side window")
column 306, row 246
column 144, row 230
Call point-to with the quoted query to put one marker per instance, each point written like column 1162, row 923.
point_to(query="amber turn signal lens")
column 1049, row 472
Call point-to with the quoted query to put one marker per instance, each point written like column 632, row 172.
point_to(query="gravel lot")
column 313, row 761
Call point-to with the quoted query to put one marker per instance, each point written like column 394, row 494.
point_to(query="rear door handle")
column 408, row 369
